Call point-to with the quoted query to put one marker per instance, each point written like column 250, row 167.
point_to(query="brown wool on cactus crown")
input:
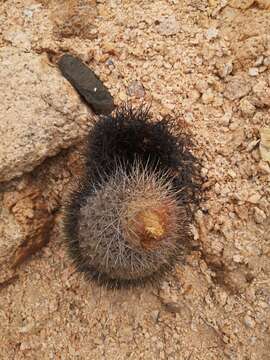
column 148, row 222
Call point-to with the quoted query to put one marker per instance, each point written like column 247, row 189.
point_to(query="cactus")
column 127, row 222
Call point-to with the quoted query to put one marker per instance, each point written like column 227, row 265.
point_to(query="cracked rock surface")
column 40, row 113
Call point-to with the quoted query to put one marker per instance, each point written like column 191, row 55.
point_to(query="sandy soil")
column 207, row 63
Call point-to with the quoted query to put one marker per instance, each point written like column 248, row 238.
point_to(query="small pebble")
column 238, row 258
column 232, row 174
column 122, row 96
column 259, row 215
column 252, row 145
column 194, row 95
column 136, row 89
column 249, row 322
column 253, row 71
column 266, row 61
column 155, row 315
column 259, row 61
column 225, row 70
column 262, row 69
column 211, row 33
column 247, row 108
column 172, row 307
column 254, row 198
column 167, row 25
column 208, row 96
column 237, row 88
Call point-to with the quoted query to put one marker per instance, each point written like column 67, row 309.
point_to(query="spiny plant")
column 127, row 222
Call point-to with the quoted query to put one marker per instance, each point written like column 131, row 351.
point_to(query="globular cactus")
column 127, row 222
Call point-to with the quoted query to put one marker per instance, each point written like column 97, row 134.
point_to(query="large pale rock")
column 40, row 112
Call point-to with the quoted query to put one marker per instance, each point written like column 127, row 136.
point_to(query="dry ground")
column 209, row 64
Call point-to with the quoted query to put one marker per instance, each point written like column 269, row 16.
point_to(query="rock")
column 201, row 85
column 224, row 69
column 189, row 117
column 262, row 69
column 252, row 145
column 136, row 89
column 266, row 61
column 40, row 114
column 28, row 208
column 110, row 48
column 237, row 88
column 167, row 25
column 259, row 215
column 247, row 108
column 249, row 322
column 259, row 61
column 254, row 198
column 208, row 96
column 262, row 94
column 226, row 119
column 155, row 315
column 194, row 95
column 238, row 258
column 173, row 307
column 211, row 33
column 253, row 71
column 265, row 144
column 232, row 174
column 122, row 96
column 87, row 84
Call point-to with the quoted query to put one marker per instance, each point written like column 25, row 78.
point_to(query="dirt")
column 207, row 63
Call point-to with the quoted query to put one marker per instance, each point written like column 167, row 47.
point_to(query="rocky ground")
column 205, row 62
